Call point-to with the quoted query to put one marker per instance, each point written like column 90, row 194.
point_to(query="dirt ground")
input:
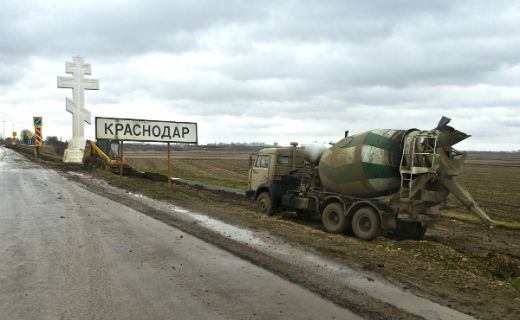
column 464, row 266
column 495, row 186
column 223, row 168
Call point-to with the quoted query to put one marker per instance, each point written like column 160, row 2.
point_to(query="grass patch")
column 508, row 225
column 218, row 182
column 514, row 282
column 490, row 277
column 30, row 152
column 214, row 181
column 449, row 265
column 156, row 188
column 162, row 190
column 387, row 245
column 466, row 217
column 50, row 157
column 184, row 196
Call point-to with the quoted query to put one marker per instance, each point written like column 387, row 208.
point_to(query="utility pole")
column 3, row 129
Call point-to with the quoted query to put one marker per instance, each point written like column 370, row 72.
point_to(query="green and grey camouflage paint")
column 364, row 165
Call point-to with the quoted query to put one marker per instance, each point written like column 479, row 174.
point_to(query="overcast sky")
column 270, row 70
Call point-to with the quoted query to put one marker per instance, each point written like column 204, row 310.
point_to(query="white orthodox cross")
column 78, row 68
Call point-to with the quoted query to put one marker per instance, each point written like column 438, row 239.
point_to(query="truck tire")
column 264, row 204
column 366, row 224
column 333, row 218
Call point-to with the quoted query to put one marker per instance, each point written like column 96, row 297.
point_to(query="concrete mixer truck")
column 366, row 184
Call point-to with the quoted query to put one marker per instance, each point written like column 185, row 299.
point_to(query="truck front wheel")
column 264, row 204
column 333, row 218
column 366, row 224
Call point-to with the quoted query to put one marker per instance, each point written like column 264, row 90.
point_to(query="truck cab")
column 266, row 172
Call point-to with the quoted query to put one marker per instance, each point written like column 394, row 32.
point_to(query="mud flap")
column 275, row 191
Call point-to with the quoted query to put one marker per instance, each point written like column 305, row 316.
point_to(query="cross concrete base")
column 75, row 151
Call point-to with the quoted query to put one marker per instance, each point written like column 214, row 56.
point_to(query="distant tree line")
column 7, row 141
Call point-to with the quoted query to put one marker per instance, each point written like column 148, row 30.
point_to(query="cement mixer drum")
column 364, row 165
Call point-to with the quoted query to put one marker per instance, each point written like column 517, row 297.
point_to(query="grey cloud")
column 115, row 29
column 386, row 43
column 8, row 75
column 343, row 20
column 108, row 28
column 511, row 122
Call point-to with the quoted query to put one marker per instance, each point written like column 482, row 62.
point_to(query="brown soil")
column 223, row 171
column 495, row 186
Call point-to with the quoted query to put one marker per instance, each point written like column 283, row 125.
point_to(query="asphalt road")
column 67, row 253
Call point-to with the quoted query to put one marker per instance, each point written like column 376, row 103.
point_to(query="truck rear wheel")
column 366, row 224
column 264, row 204
column 333, row 218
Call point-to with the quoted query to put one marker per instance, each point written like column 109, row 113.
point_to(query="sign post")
column 14, row 137
column 30, row 140
column 121, row 161
column 146, row 131
column 38, row 139
column 169, row 169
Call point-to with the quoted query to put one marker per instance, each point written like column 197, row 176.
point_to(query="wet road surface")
column 67, row 253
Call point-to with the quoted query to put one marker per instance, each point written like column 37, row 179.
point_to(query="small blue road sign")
column 37, row 121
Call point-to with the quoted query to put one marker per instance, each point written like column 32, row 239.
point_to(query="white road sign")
column 146, row 130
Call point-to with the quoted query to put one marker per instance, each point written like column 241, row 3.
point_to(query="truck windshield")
column 262, row 162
